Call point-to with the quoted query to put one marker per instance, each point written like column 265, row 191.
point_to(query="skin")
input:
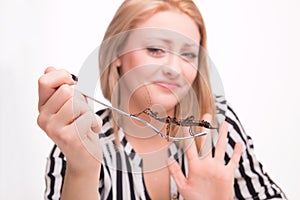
column 65, row 122
column 162, row 67
column 202, row 173
column 61, row 114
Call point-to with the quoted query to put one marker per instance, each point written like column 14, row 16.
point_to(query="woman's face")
column 158, row 63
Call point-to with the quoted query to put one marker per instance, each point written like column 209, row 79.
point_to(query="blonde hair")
column 133, row 12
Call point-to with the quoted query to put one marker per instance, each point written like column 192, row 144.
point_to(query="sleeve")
column 55, row 173
column 56, row 169
column 251, row 181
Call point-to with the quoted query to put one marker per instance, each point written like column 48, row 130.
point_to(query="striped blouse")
column 121, row 174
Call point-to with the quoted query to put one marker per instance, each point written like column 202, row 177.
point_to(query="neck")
column 142, row 138
column 147, row 146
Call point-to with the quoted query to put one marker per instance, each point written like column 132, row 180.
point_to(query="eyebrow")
column 169, row 42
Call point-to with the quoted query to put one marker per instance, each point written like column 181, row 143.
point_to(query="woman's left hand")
column 208, row 178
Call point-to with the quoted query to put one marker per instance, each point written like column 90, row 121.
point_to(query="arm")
column 251, row 181
column 243, row 175
column 208, row 178
column 69, row 122
column 85, row 184
column 56, row 178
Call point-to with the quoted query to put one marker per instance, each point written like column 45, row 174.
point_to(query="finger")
column 200, row 141
column 70, row 111
column 236, row 156
column 97, row 124
column 177, row 174
column 83, row 126
column 49, row 69
column 84, row 100
column 206, row 117
column 67, row 112
column 49, row 82
column 60, row 97
column 85, row 123
column 222, row 142
column 191, row 149
column 47, row 118
column 190, row 146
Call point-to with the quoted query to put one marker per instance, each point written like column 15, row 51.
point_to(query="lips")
column 167, row 85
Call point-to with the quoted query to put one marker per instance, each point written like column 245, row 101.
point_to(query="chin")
column 163, row 103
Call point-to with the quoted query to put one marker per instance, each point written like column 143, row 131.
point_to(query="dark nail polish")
column 75, row 78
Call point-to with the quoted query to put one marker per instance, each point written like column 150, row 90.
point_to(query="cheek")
column 190, row 74
column 138, row 66
column 133, row 60
column 135, row 72
column 128, row 62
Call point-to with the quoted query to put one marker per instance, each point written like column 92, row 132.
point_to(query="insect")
column 187, row 122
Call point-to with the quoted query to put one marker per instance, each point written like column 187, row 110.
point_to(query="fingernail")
column 75, row 78
column 207, row 117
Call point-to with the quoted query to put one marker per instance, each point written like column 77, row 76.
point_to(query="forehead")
column 158, row 37
column 171, row 29
column 174, row 21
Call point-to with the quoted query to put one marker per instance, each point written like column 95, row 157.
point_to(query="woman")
column 148, row 61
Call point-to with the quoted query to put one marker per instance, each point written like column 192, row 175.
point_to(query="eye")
column 189, row 55
column 156, row 52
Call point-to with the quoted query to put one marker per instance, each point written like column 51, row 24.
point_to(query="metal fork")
column 164, row 136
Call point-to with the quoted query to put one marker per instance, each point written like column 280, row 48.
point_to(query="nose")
column 172, row 68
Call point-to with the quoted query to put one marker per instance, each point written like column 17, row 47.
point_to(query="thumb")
column 96, row 124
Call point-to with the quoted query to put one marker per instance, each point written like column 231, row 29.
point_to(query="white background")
column 254, row 44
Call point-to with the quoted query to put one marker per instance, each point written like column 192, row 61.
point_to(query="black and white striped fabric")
column 121, row 173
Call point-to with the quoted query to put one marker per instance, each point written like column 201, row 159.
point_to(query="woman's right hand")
column 67, row 119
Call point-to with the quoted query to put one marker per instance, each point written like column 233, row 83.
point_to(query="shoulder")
column 236, row 132
column 225, row 112
column 251, row 180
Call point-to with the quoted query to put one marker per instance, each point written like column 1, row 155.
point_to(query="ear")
column 117, row 62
